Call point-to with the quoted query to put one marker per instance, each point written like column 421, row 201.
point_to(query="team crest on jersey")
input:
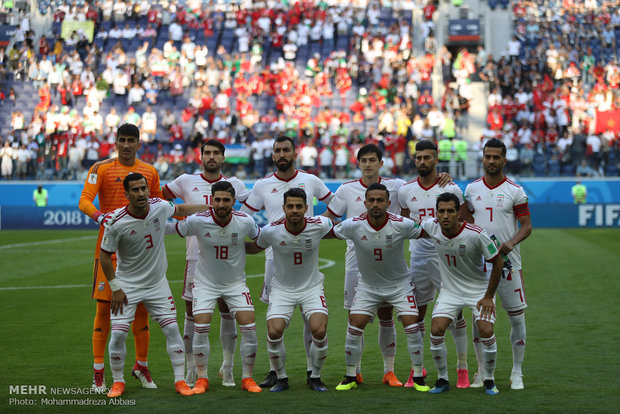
column 309, row 244
column 195, row 189
column 500, row 200
column 275, row 190
column 101, row 286
column 157, row 224
column 388, row 240
column 233, row 238
column 282, row 243
column 462, row 250
column 358, row 198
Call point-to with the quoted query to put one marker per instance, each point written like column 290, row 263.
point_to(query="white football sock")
column 489, row 347
column 353, row 349
column 459, row 334
column 202, row 348
column 517, row 338
column 387, row 343
column 415, row 348
column 174, row 345
column 277, row 354
column 440, row 355
column 228, row 337
column 318, row 351
column 477, row 346
column 308, row 343
column 188, row 338
column 247, row 349
column 118, row 350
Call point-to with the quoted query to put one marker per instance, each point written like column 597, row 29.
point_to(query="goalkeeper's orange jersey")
column 105, row 179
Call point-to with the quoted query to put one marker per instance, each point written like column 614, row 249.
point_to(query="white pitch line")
column 43, row 242
column 326, row 263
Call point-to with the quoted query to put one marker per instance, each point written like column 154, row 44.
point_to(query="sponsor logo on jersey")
column 358, row 198
column 234, row 237
column 92, row 179
column 364, row 237
column 282, row 243
column 478, row 198
column 414, row 199
column 195, row 189
column 275, row 190
column 157, row 224
column 462, row 250
column 207, row 235
column 132, row 232
column 118, row 180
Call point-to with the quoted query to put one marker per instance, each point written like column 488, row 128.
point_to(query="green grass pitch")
column 572, row 359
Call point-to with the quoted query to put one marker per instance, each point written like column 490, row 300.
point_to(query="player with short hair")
column 196, row 188
column 267, row 193
column 419, row 196
column 349, row 200
column 104, row 180
column 500, row 206
column 136, row 233
column 384, row 279
column 220, row 275
column 296, row 281
column 462, row 249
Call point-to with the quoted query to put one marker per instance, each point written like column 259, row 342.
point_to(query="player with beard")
column 419, row 196
column 267, row 193
column 500, row 206
column 196, row 188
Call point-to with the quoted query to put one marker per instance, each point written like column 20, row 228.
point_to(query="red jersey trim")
column 457, row 233
column 332, row 211
column 300, row 231
column 215, row 221
column 171, row 192
column 326, row 195
column 494, row 187
column 209, row 181
column 429, row 187
column 249, row 206
column 176, row 227
column 286, row 181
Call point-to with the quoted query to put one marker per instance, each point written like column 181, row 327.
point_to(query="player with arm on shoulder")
column 296, row 281
column 384, row 280
column 197, row 188
column 105, row 180
column 419, row 196
column 462, row 249
column 500, row 206
column 136, row 233
column 220, row 276
column 349, row 201
column 267, row 193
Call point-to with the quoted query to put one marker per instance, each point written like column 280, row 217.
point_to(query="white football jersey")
column 296, row 256
column 139, row 244
column 496, row 209
column 380, row 251
column 349, row 200
column 196, row 189
column 222, row 248
column 461, row 258
column 422, row 202
column 268, row 193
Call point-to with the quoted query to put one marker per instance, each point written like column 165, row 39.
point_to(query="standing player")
column 384, row 279
column 419, row 196
column 296, row 281
column 349, row 200
column 500, row 206
column 137, row 232
column 462, row 249
column 105, row 180
column 196, row 188
column 220, row 275
column 267, row 193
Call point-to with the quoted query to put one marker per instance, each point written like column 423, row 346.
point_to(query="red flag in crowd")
column 607, row 120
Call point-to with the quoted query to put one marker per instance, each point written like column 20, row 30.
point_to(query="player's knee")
column 274, row 332
column 485, row 329
column 319, row 331
column 188, row 308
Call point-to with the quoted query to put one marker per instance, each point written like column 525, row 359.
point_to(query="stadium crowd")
column 335, row 77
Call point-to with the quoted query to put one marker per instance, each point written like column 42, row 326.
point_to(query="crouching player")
column 220, row 274
column 136, row 234
column 462, row 249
